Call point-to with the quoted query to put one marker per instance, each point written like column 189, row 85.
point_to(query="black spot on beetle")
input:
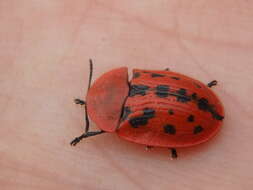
column 190, row 118
column 197, row 85
column 175, row 78
column 136, row 75
column 170, row 111
column 197, row 129
column 126, row 112
column 194, row 96
column 148, row 113
column 215, row 115
column 182, row 96
column 162, row 91
column 203, row 104
column 218, row 116
column 157, row 75
column 138, row 90
column 182, row 91
column 135, row 122
column 170, row 129
column 162, row 87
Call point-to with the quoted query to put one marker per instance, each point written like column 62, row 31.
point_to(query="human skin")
column 44, row 51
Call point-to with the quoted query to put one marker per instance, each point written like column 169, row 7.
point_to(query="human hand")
column 45, row 47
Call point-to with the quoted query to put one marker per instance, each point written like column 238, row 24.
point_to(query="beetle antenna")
column 85, row 106
column 87, row 122
column 91, row 71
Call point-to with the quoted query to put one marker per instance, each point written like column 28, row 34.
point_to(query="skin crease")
column 45, row 47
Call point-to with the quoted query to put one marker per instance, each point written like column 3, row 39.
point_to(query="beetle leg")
column 79, row 101
column 173, row 153
column 212, row 83
column 149, row 147
column 85, row 135
column 85, row 106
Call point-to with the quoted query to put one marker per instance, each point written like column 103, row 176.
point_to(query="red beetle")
column 156, row 108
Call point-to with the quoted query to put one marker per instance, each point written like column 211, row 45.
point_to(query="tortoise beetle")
column 155, row 108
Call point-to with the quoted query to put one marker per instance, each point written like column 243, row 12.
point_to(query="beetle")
column 156, row 108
